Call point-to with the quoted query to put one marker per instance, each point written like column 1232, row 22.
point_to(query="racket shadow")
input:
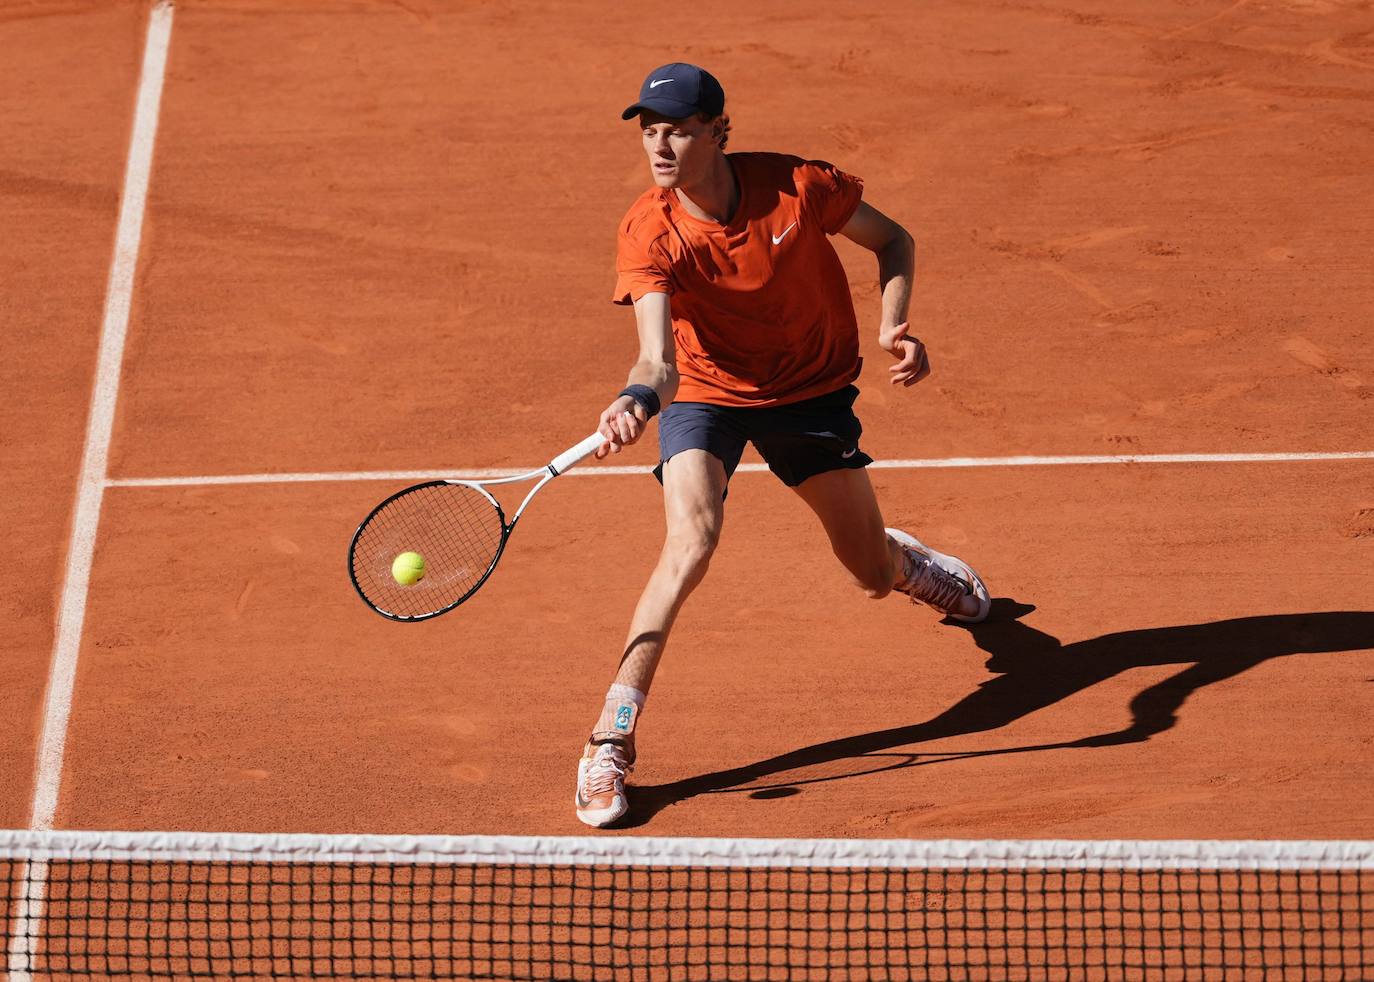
column 1034, row 671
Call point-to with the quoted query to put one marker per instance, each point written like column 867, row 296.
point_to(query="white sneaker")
column 601, row 798
column 940, row 581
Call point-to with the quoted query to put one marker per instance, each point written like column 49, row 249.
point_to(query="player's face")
column 680, row 150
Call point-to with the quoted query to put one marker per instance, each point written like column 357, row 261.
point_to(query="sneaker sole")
column 601, row 817
column 955, row 564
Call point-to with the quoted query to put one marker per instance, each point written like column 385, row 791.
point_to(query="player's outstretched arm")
column 896, row 252
column 624, row 420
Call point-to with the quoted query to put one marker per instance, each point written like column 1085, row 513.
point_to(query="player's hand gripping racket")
column 457, row 528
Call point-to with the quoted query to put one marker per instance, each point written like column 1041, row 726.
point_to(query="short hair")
column 724, row 122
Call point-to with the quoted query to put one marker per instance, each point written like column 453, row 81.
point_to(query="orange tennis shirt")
column 761, row 309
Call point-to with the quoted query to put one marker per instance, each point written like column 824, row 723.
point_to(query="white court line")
column 91, row 482
column 592, row 470
column 94, row 461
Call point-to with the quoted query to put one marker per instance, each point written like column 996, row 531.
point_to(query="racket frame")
column 560, row 464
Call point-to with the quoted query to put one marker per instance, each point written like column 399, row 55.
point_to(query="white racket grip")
column 575, row 455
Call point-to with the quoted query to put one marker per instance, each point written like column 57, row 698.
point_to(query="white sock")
column 623, row 705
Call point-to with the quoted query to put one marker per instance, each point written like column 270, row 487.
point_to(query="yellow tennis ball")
column 408, row 568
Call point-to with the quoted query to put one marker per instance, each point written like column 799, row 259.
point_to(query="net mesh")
column 455, row 528
column 168, row 906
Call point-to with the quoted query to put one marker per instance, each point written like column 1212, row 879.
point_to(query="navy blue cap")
column 677, row 91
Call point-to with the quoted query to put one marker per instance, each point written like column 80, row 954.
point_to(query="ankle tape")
column 624, row 703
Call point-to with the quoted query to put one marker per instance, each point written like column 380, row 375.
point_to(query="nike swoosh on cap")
column 654, row 85
column 777, row 239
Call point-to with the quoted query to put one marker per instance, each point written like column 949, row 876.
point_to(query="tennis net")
column 177, row 906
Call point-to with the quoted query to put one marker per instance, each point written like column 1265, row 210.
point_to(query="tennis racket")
column 459, row 529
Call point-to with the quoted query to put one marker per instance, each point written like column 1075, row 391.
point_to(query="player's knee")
column 875, row 583
column 871, row 573
column 688, row 553
column 874, row 592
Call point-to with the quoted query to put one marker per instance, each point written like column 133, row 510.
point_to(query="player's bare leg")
column 693, row 487
column 844, row 502
column 881, row 560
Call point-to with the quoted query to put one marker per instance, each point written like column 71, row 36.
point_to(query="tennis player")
column 747, row 334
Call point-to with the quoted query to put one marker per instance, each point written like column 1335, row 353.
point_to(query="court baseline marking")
column 593, row 470
column 91, row 482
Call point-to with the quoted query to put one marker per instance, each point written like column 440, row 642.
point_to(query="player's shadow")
column 1036, row 671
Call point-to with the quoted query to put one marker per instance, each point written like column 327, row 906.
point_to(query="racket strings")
column 455, row 528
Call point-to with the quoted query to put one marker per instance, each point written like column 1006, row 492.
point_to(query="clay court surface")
column 378, row 236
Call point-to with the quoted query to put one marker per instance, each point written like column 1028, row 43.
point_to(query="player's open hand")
column 912, row 362
column 621, row 424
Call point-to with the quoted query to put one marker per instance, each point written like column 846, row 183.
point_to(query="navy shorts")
column 799, row 440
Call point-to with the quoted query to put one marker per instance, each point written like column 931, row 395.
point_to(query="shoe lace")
column 607, row 772
column 932, row 584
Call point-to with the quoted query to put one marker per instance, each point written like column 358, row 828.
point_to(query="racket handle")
column 575, row 455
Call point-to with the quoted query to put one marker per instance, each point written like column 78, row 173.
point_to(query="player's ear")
column 720, row 130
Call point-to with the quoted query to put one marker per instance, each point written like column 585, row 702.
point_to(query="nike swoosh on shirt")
column 777, row 239
column 662, row 81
